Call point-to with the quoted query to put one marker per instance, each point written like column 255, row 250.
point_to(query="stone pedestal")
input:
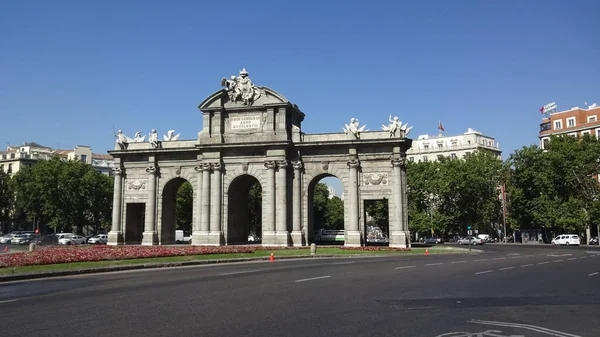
column 214, row 239
column 352, row 239
column 150, row 238
column 115, row 238
column 268, row 238
column 400, row 239
column 199, row 238
column 282, row 238
column 297, row 238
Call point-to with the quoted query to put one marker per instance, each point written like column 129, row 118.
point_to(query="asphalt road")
column 505, row 291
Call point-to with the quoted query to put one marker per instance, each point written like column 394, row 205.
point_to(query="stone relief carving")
column 118, row 171
column 152, row 169
column 399, row 161
column 353, row 163
column 297, row 165
column 283, row 164
column 375, row 179
column 138, row 184
column 171, row 136
column 354, row 128
column 178, row 171
column 271, row 164
column 153, row 139
column 241, row 88
column 206, row 167
column 325, row 166
column 396, row 126
column 198, row 168
column 245, row 167
column 217, row 166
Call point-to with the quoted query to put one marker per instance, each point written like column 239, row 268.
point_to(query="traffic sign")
column 470, row 232
column 476, row 231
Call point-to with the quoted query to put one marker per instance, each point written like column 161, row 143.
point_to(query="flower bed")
column 55, row 255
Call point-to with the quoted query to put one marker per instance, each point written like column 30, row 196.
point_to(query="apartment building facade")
column 573, row 122
column 431, row 148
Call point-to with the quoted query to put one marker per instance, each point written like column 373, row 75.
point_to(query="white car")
column 100, row 238
column 72, row 240
column 567, row 240
column 474, row 241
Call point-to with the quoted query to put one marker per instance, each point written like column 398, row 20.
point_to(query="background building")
column 431, row 148
column 573, row 122
column 17, row 157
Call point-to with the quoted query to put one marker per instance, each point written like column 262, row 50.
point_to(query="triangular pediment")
column 223, row 99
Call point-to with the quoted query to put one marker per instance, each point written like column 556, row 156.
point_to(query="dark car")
column 433, row 241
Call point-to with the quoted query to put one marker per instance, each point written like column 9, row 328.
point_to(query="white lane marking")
column 433, row 264
column 459, row 262
column 526, row 326
column 500, row 258
column 241, row 272
column 313, row 278
column 8, row 301
column 514, row 257
column 559, row 260
column 571, row 259
column 592, row 274
column 582, row 257
column 404, row 267
column 480, row 260
column 527, row 265
column 559, row 255
column 506, row 268
column 593, row 255
column 484, row 272
column 338, row 263
column 545, row 262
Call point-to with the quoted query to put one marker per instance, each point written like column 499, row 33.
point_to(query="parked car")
column 567, row 240
column 433, row 241
column 6, row 238
column 472, row 239
column 98, row 239
column 72, row 240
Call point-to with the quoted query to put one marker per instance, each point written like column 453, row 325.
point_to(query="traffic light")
column 468, row 227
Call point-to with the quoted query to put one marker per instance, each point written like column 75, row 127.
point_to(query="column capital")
column 270, row 164
column 152, row 170
column 217, row 166
column 198, row 168
column 205, row 167
column 118, row 171
column 399, row 162
column 283, row 164
column 297, row 165
column 353, row 163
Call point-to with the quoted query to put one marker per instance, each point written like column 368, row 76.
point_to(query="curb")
column 106, row 269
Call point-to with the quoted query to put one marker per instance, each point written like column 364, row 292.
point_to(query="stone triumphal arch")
column 253, row 134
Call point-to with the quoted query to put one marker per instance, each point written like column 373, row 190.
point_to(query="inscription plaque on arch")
column 247, row 122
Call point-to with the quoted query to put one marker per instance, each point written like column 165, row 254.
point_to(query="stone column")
column 115, row 236
column 353, row 237
column 404, row 198
column 215, row 235
column 398, row 235
column 150, row 236
column 282, row 235
column 297, row 205
column 198, row 235
column 268, row 225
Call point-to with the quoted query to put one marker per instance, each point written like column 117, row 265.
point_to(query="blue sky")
column 70, row 70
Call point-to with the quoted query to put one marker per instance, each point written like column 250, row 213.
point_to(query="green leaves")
column 446, row 196
column 64, row 194
column 184, row 207
column 6, row 195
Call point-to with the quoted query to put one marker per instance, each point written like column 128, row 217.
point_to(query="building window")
column 453, row 155
column 440, row 146
column 591, row 119
column 585, row 132
column 9, row 171
column 440, row 157
column 558, row 125
column 573, row 134
column 545, row 143
column 598, row 133
column 454, row 145
column 1, row 167
column 570, row 122
column 467, row 153
column 411, row 159
column 425, row 159
column 426, row 146
column 545, row 126
column 84, row 158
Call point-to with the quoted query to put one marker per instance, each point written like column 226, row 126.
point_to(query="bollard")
column 31, row 247
column 313, row 249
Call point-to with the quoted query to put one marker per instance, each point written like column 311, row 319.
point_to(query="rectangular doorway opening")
column 135, row 215
column 377, row 222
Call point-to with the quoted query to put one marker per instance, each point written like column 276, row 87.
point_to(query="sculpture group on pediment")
column 171, row 136
column 153, row 139
column 241, row 88
column 396, row 126
column 354, row 128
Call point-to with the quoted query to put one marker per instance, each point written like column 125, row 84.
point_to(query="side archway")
column 177, row 210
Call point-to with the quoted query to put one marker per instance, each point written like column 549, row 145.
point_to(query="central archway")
column 177, row 203
column 326, row 211
column 244, row 221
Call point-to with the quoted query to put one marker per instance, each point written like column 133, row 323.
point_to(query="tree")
column 255, row 209
column 6, row 196
column 335, row 213
column 184, row 207
column 378, row 210
column 320, row 198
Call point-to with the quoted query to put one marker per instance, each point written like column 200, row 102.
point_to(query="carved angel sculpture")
column 395, row 125
column 153, row 140
column 139, row 138
column 122, row 140
column 354, row 128
column 171, row 136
